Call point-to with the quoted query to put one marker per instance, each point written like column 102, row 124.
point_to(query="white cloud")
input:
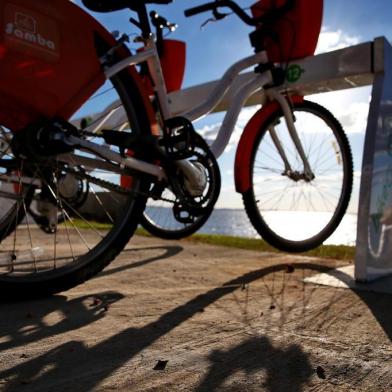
column 209, row 132
column 332, row 40
column 350, row 107
column 354, row 117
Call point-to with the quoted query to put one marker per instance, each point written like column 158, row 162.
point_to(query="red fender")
column 48, row 60
column 242, row 175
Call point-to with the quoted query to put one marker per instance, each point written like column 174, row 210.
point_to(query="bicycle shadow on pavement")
column 23, row 322
column 169, row 251
column 98, row 362
column 257, row 354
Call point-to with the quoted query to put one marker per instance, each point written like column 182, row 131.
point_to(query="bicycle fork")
column 308, row 174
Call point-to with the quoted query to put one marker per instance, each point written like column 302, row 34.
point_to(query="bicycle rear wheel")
column 34, row 262
column 10, row 213
column 290, row 213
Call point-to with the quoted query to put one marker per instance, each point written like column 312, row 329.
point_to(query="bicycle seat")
column 115, row 5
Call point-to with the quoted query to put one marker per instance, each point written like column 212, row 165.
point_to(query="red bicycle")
column 87, row 135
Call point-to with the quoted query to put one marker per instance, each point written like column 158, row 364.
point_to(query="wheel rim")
column 9, row 207
column 299, row 210
column 29, row 254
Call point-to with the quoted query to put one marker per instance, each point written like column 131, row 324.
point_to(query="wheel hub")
column 298, row 176
column 42, row 140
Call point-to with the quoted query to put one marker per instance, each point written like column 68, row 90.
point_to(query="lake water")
column 235, row 222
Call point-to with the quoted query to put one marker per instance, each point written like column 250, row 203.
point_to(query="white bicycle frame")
column 150, row 55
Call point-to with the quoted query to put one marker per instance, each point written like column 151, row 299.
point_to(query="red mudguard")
column 243, row 157
column 48, row 60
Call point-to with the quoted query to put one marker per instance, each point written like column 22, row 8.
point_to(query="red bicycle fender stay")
column 242, row 175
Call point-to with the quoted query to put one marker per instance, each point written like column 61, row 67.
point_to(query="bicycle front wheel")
column 290, row 212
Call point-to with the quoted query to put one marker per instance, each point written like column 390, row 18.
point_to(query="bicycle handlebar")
column 213, row 6
column 199, row 9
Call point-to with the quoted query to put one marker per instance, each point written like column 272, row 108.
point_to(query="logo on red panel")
column 25, row 23
column 25, row 28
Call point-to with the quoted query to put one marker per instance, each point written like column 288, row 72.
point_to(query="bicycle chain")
column 116, row 188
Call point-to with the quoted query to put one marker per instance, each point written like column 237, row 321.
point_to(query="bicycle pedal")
column 180, row 144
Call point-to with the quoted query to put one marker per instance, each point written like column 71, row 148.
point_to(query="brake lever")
column 217, row 16
column 206, row 22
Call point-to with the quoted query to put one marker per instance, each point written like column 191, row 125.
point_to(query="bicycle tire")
column 73, row 269
column 273, row 224
column 158, row 217
column 10, row 215
column 11, row 218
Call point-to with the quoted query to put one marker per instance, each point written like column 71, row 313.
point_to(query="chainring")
column 188, row 208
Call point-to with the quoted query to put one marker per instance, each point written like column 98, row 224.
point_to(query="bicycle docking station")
column 365, row 64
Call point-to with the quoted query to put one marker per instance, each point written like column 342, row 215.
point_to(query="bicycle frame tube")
column 128, row 162
column 154, row 66
column 150, row 55
column 230, row 119
column 129, row 61
column 224, row 84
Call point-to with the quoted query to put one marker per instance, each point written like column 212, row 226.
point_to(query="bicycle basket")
column 48, row 60
column 172, row 57
column 173, row 63
column 293, row 36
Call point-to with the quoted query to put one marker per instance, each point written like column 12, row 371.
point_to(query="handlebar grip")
column 201, row 8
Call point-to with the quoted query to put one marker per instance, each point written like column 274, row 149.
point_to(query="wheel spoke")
column 57, row 227
column 288, row 210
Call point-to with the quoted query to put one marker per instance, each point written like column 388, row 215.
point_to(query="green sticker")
column 294, row 73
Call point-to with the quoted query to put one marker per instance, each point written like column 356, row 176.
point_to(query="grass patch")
column 340, row 252
column 142, row 232
column 81, row 224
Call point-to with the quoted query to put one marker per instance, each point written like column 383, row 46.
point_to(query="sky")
column 212, row 49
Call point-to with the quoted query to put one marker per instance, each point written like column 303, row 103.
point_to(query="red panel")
column 48, row 61
column 172, row 58
column 173, row 63
column 296, row 34
column 248, row 139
